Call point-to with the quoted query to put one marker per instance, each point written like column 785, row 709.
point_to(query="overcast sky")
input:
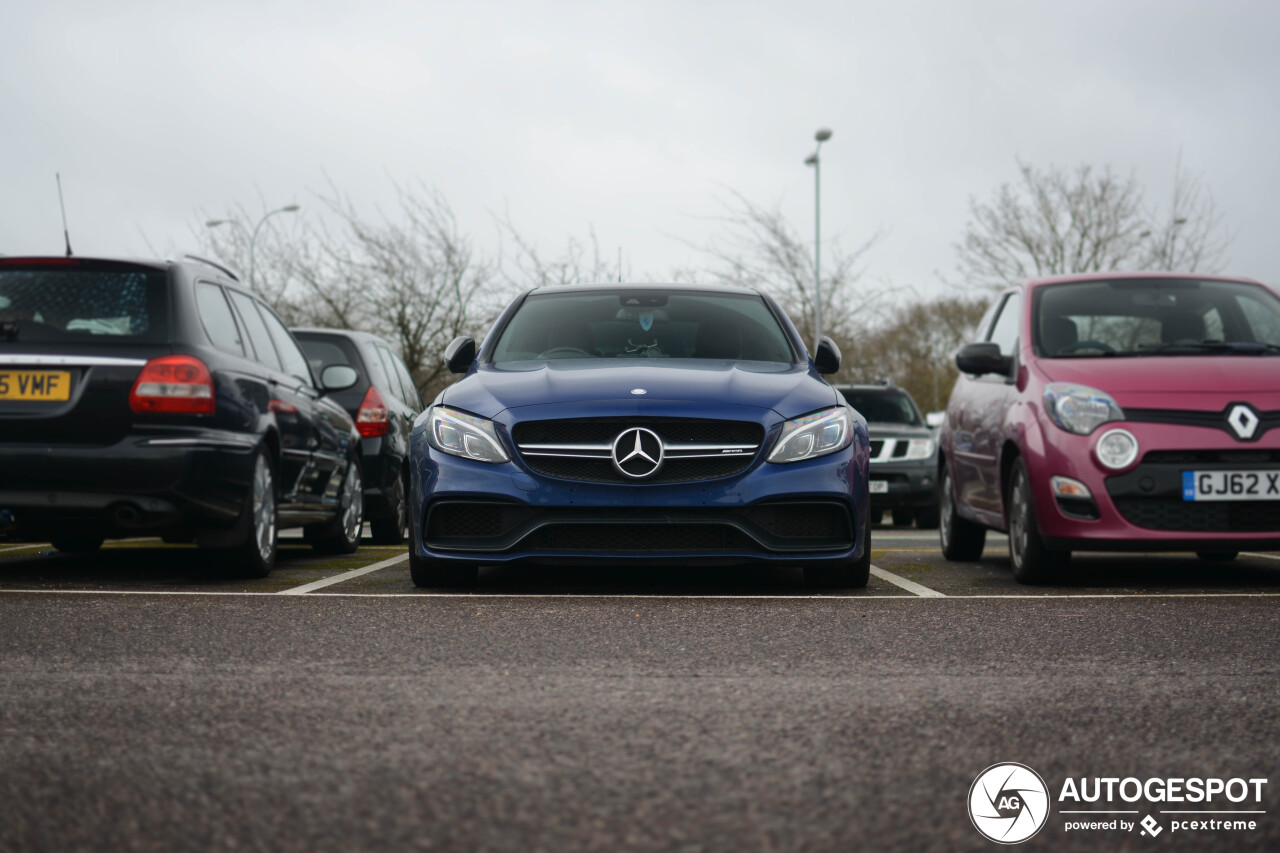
column 627, row 117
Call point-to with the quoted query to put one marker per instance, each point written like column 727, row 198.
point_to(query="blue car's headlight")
column 464, row 435
column 1079, row 408
column 813, row 435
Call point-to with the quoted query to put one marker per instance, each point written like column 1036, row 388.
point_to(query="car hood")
column 789, row 390
column 1196, row 374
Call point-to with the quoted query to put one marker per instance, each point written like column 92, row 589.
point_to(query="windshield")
column 884, row 407
column 627, row 323
column 73, row 300
column 1139, row 317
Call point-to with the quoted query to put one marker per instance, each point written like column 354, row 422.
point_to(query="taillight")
column 373, row 419
column 173, row 384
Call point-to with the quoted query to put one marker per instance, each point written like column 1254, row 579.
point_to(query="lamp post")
column 821, row 136
column 253, row 237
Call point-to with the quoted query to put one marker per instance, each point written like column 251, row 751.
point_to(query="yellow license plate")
column 41, row 385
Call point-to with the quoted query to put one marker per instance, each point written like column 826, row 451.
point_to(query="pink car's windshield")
column 1138, row 317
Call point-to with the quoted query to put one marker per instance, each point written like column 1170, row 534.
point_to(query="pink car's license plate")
column 1231, row 485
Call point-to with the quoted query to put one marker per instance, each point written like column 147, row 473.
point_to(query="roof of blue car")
column 631, row 285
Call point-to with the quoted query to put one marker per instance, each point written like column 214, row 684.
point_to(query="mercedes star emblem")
column 637, row 453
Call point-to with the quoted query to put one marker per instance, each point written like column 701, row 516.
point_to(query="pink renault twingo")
column 1116, row 412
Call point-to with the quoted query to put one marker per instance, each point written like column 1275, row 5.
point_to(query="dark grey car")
column 383, row 403
column 904, row 454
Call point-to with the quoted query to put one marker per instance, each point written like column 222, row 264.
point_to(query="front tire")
column 441, row 573
column 1033, row 563
column 342, row 535
column 850, row 575
column 77, row 544
column 961, row 539
column 393, row 530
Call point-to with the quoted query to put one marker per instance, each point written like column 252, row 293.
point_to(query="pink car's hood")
column 1166, row 381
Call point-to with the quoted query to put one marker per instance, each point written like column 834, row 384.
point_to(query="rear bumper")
column 143, row 485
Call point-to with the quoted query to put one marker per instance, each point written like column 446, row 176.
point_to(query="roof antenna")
column 65, row 233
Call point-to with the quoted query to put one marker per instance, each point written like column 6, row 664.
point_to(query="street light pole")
column 253, row 237
column 813, row 160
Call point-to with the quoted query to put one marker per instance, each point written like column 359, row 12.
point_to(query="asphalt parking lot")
column 147, row 703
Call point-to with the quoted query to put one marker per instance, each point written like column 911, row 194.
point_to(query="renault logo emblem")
column 637, row 453
column 1243, row 420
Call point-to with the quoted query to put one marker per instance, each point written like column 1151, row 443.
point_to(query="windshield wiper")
column 1225, row 347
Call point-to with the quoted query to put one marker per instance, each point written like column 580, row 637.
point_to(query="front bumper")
column 143, row 485
column 804, row 513
column 1141, row 508
column 906, row 484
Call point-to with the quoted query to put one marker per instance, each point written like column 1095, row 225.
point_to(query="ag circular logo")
column 637, row 453
column 1008, row 803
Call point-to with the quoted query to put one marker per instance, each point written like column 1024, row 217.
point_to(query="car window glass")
column 103, row 301
column 883, row 407
column 377, row 373
column 216, row 317
column 321, row 354
column 256, row 330
column 295, row 363
column 411, row 395
column 388, row 365
column 629, row 323
column 1005, row 331
column 1263, row 318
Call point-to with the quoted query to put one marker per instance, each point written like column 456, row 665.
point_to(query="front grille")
column 1211, row 457
column 638, row 538
column 673, row 471
column 1210, row 420
column 1201, row 517
column 783, row 526
column 694, row 449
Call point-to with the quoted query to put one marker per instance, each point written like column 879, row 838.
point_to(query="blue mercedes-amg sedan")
column 640, row 423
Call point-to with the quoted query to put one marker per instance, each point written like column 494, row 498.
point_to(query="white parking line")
column 910, row 586
column 630, row 596
column 1253, row 554
column 345, row 576
column 24, row 547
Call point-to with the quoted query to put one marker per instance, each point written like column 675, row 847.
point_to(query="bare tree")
column 1055, row 222
column 914, row 347
column 579, row 263
column 412, row 277
column 758, row 247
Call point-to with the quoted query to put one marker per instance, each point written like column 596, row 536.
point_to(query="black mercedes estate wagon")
column 162, row 398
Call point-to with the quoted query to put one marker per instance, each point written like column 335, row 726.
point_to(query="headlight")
column 1117, row 448
column 1079, row 408
column 813, row 435
column 919, row 448
column 464, row 435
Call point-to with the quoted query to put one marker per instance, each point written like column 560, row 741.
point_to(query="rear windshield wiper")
column 1225, row 347
column 8, row 331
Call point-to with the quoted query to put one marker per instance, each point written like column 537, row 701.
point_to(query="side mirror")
column 459, row 354
column 984, row 358
column 827, row 358
column 935, row 419
column 338, row 377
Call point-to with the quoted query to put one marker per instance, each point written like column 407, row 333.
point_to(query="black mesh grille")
column 673, row 470
column 877, row 444
column 474, row 520
column 671, row 430
column 1198, row 516
column 803, row 521
column 639, row 538
column 1211, row 457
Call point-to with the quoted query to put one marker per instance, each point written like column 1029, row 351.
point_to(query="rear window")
column 80, row 301
column 884, row 408
column 324, row 350
column 643, row 324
